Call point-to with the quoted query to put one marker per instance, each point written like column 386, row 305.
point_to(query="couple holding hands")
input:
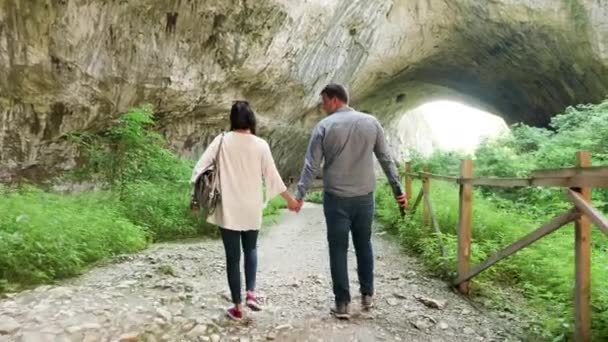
column 346, row 140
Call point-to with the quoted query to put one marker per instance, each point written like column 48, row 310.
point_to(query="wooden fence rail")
column 578, row 182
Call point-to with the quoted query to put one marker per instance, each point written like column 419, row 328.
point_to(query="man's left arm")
column 386, row 161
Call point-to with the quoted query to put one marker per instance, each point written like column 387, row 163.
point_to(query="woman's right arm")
column 206, row 159
column 274, row 183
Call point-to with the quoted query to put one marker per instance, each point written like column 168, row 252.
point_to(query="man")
column 347, row 140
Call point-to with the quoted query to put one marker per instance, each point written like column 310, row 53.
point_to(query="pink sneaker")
column 234, row 314
column 252, row 302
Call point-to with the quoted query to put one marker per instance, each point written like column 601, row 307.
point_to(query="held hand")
column 293, row 205
column 402, row 201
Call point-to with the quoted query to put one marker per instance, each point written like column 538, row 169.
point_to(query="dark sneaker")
column 367, row 302
column 341, row 311
column 252, row 302
column 234, row 314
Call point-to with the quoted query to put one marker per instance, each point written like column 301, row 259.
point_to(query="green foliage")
column 440, row 162
column 131, row 151
column 162, row 208
column 46, row 236
column 151, row 181
column 542, row 272
column 273, row 208
column 315, row 197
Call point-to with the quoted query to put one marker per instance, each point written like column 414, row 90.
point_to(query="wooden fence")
column 578, row 182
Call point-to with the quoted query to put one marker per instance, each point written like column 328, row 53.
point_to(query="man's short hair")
column 334, row 90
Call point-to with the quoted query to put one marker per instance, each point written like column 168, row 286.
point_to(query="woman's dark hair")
column 242, row 116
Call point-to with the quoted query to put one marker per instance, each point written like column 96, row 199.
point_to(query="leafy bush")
column 145, row 198
column 151, row 181
column 44, row 236
column 315, row 197
column 543, row 272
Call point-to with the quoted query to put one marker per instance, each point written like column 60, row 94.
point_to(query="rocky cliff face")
column 73, row 65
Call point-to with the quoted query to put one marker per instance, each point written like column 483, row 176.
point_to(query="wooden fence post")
column 408, row 182
column 426, row 185
column 582, row 248
column 465, row 217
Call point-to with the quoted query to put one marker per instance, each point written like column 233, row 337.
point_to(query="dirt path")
column 176, row 292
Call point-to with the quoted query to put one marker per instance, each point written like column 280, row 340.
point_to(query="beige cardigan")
column 245, row 160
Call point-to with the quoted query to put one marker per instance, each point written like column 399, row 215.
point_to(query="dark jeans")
column 354, row 215
column 232, row 245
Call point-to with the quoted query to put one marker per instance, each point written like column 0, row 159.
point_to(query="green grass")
column 272, row 210
column 543, row 272
column 315, row 197
column 46, row 236
column 162, row 209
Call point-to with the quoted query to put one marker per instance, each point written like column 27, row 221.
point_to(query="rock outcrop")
column 73, row 65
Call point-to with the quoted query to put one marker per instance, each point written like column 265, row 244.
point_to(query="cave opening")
column 443, row 125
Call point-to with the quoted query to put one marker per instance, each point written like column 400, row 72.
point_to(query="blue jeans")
column 232, row 246
column 352, row 215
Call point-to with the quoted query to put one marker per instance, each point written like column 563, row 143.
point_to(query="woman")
column 244, row 161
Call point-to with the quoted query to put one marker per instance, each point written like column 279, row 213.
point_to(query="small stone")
column 392, row 301
column 126, row 284
column 468, row 331
column 8, row 325
column 164, row 314
column 443, row 325
column 188, row 326
column 466, row 311
column 198, row 330
column 201, row 320
column 51, row 330
column 91, row 326
column 424, row 323
column 227, row 297
column 204, row 339
column 284, row 326
column 74, row 329
column 431, row 303
column 129, row 337
column 33, row 336
column 215, row 338
column 271, row 336
column 399, row 295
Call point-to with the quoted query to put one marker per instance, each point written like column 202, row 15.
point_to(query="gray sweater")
column 347, row 140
